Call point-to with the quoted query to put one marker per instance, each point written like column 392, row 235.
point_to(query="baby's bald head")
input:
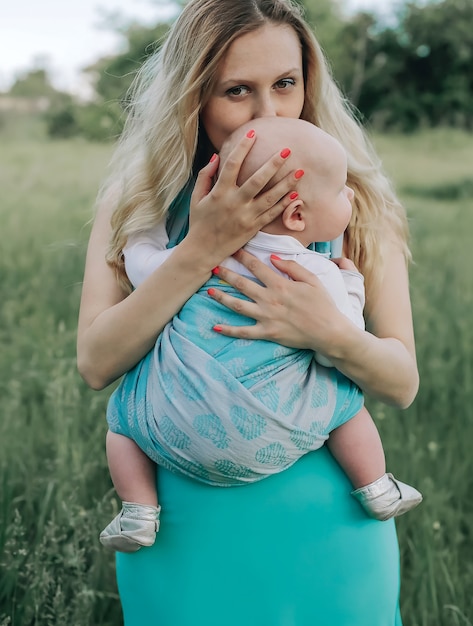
column 310, row 147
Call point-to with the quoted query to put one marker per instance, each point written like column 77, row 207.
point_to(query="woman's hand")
column 226, row 215
column 300, row 313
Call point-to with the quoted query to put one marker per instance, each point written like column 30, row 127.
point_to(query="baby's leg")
column 133, row 473
column 357, row 447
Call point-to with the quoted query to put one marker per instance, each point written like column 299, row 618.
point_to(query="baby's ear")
column 293, row 216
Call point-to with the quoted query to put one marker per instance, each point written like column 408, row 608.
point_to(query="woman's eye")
column 285, row 83
column 239, row 90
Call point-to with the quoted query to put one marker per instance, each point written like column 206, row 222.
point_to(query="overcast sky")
column 66, row 36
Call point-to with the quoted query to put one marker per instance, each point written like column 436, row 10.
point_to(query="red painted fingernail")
column 276, row 257
column 217, row 329
column 285, row 153
column 213, row 157
column 211, row 291
column 294, row 195
column 250, row 134
column 299, row 174
column 216, row 270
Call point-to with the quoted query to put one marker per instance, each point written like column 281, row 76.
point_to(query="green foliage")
column 438, row 43
column 407, row 75
column 100, row 122
column 415, row 74
column 458, row 190
column 96, row 122
column 115, row 75
column 54, row 485
column 325, row 18
column 62, row 122
column 34, row 84
column 103, row 119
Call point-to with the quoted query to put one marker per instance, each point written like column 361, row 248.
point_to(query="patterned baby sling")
column 224, row 411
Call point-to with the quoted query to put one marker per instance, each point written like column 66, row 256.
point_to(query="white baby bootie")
column 135, row 526
column 387, row 497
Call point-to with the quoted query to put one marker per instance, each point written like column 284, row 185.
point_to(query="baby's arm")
column 145, row 252
column 354, row 285
column 344, row 284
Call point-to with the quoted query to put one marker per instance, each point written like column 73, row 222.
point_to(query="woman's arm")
column 115, row 330
column 382, row 361
column 301, row 314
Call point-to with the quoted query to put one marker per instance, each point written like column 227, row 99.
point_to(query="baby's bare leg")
column 358, row 448
column 133, row 473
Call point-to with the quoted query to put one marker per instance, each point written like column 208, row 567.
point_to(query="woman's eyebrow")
column 238, row 81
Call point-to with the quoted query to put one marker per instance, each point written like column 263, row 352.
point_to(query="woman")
column 294, row 548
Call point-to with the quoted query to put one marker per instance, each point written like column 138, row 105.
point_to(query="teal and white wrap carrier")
column 228, row 411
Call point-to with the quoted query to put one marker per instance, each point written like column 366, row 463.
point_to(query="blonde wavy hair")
column 163, row 144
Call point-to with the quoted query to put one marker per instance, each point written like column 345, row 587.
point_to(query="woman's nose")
column 265, row 107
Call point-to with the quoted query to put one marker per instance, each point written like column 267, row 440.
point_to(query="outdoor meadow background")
column 55, row 490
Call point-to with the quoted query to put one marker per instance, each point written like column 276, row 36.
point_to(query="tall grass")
column 53, row 477
column 430, row 443
column 55, row 489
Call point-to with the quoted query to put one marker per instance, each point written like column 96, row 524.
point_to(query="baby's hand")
column 345, row 264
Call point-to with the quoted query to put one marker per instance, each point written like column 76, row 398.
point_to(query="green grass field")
column 55, row 492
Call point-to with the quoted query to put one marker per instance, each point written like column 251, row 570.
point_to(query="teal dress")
column 294, row 549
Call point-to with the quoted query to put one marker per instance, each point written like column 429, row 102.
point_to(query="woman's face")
column 260, row 76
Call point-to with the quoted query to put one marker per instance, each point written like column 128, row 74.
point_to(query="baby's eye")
column 285, row 83
column 239, row 90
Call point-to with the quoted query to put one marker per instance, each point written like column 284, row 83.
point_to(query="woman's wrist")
column 341, row 339
column 194, row 259
column 381, row 367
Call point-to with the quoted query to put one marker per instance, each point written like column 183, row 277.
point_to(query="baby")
column 320, row 211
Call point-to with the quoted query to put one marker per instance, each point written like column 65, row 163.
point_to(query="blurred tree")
column 34, row 96
column 325, row 18
column 112, row 76
column 353, row 62
column 416, row 71
column 34, row 83
column 419, row 73
column 438, row 45
column 413, row 71
column 103, row 119
column 61, row 123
